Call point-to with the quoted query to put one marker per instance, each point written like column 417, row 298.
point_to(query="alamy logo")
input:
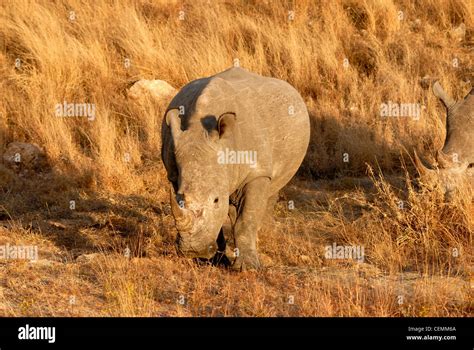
column 27, row 252
column 237, row 157
column 37, row 333
column 75, row 110
column 354, row 252
column 391, row 109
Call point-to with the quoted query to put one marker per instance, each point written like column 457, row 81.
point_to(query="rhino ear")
column 442, row 95
column 174, row 122
column 225, row 124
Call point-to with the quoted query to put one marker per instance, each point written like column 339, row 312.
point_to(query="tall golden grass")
column 75, row 51
column 416, row 245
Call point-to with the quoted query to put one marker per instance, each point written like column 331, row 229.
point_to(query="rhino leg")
column 248, row 222
column 220, row 257
column 272, row 201
column 232, row 214
column 228, row 230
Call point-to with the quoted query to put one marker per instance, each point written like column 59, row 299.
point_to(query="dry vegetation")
column 416, row 246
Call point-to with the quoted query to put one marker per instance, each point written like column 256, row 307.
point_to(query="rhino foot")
column 246, row 262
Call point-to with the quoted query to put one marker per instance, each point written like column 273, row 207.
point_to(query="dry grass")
column 415, row 245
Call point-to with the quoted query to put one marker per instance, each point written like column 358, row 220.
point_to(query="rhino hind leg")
column 272, row 202
column 248, row 222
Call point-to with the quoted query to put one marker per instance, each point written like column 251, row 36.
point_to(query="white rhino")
column 456, row 158
column 230, row 143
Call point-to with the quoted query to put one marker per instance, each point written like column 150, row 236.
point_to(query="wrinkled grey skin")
column 456, row 158
column 235, row 110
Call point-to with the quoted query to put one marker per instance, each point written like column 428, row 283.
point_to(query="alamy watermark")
column 393, row 109
column 229, row 156
column 66, row 109
column 25, row 252
column 37, row 333
column 354, row 252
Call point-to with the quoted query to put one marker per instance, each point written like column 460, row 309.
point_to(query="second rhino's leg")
column 251, row 214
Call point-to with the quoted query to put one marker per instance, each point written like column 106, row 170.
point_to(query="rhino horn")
column 183, row 217
column 442, row 95
column 422, row 169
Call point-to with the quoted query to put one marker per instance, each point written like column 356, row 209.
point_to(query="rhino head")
column 456, row 158
column 199, row 195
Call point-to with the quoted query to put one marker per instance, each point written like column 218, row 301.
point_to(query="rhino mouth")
column 191, row 250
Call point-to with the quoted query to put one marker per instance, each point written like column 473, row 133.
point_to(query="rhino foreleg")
column 251, row 214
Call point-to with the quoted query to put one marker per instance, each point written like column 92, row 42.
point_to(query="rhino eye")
column 216, row 200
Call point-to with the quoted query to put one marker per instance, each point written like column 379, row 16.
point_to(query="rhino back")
column 271, row 119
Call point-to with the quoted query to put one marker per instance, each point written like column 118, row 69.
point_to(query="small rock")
column 21, row 156
column 459, row 33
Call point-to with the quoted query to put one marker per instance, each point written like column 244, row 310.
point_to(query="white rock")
column 156, row 89
column 459, row 33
